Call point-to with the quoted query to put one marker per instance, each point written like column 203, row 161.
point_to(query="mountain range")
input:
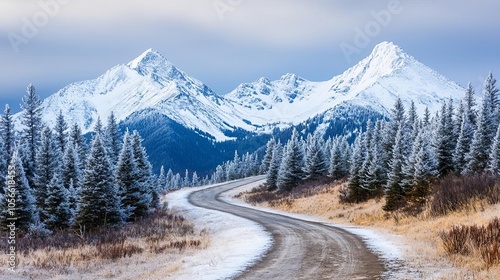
column 180, row 115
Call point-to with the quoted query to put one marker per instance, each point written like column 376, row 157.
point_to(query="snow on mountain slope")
column 147, row 82
column 375, row 82
column 151, row 82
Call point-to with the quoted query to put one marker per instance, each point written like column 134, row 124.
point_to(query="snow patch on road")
column 235, row 243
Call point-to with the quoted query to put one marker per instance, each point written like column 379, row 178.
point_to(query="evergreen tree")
column 444, row 141
column 25, row 210
column 394, row 194
column 7, row 133
column 463, row 144
column 494, row 159
column 220, row 174
column 367, row 154
column 79, row 143
column 126, row 176
column 186, row 182
column 290, row 172
column 61, row 135
column 177, row 181
column 425, row 171
column 57, row 205
column 266, row 161
column 357, row 192
column 98, row 127
column 337, row 169
column 70, row 169
column 315, row 160
column 145, row 172
column 478, row 156
column 272, row 171
column 162, row 180
column 490, row 92
column 233, row 170
column 397, row 119
column 47, row 162
column 99, row 203
column 412, row 116
column 169, row 180
column 113, row 139
column 427, row 117
column 469, row 104
column 31, row 119
column 195, row 181
column 71, row 174
column 6, row 144
column 375, row 177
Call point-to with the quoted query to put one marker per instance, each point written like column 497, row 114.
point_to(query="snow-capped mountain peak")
column 375, row 83
column 154, row 64
column 151, row 82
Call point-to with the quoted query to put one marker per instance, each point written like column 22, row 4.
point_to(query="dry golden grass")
column 419, row 235
column 157, row 241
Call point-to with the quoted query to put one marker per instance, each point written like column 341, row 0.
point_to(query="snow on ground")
column 235, row 243
column 384, row 244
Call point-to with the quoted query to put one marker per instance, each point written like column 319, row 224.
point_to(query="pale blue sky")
column 227, row 42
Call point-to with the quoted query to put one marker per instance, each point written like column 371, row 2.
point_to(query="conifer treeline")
column 400, row 158
column 60, row 181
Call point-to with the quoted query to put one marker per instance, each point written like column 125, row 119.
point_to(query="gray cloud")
column 256, row 38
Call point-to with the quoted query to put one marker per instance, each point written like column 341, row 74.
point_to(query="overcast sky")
column 223, row 43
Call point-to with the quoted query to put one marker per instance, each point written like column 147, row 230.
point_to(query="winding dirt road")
column 300, row 249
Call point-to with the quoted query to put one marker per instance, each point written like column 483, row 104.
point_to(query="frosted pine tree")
column 397, row 119
column 367, row 154
column 71, row 174
column 425, row 171
column 490, row 91
column 266, row 161
column 113, row 139
column 394, row 194
column 47, row 162
column 162, row 180
column 98, row 128
column 99, row 203
column 465, row 136
column 61, row 134
column 314, row 158
column 144, row 170
column 7, row 134
column 290, row 172
column 335, row 170
column 478, row 156
column 177, row 181
column 31, row 119
column 494, row 159
column 79, row 143
column 426, row 121
column 469, row 102
column 219, row 175
column 375, row 177
column 57, row 209
column 128, row 186
column 186, row 182
column 25, row 211
column 272, row 171
column 444, row 141
column 357, row 192
column 196, row 180
column 169, row 180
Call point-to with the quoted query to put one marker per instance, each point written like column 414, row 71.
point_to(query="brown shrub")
column 454, row 193
column 463, row 240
